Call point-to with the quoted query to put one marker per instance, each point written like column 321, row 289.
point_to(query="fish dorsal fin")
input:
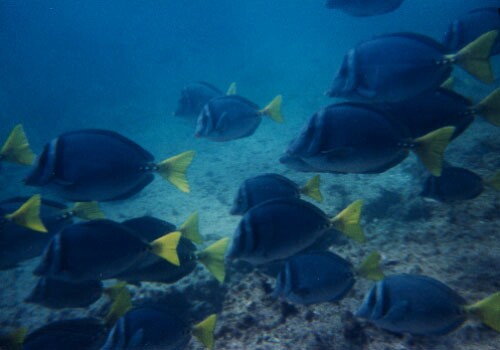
column 174, row 169
column 17, row 148
column 312, row 188
column 213, row 258
column 204, row 331
column 190, row 229
column 231, row 90
column 28, row 215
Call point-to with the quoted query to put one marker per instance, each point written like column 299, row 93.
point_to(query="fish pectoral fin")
column 337, row 153
column 221, row 122
column 397, row 312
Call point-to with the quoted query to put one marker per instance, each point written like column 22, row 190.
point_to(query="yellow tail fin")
column 231, row 90
column 273, row 109
column 475, row 57
column 213, row 258
column 204, row 331
column 28, row 215
column 121, row 304
column 15, row 340
column 88, row 210
column 348, row 222
column 166, row 247
column 448, row 83
column 17, row 148
column 489, row 107
column 488, row 311
column 430, row 148
column 311, row 189
column 190, row 229
column 174, row 169
column 494, row 181
column 115, row 290
column 370, row 267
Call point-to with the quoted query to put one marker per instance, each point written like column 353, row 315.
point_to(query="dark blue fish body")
column 93, row 165
column 194, row 96
column 474, row 23
column 261, row 188
column 148, row 328
column 57, row 294
column 362, row 8
column 228, row 118
column 346, row 138
column 92, row 250
column 315, row 278
column 413, row 304
column 74, row 334
column 391, row 68
column 18, row 243
column 432, row 110
column 454, row 184
column 277, row 229
column 152, row 268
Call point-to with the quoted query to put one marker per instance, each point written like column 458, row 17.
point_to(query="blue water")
column 120, row 65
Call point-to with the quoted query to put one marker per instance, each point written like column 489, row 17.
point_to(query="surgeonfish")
column 457, row 184
column 439, row 108
column 102, row 165
column 154, row 269
column 465, row 29
column 398, row 66
column 32, row 222
column 99, row 250
column 322, row 276
column 422, row 305
column 233, row 117
column 16, row 148
column 356, row 138
column 195, row 95
column 363, row 8
column 154, row 328
column 261, row 188
column 279, row 228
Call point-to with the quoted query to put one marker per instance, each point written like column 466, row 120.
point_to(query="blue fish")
column 474, row 23
column 233, row 117
column 196, row 95
column 457, row 184
column 16, row 148
column 363, row 8
column 422, row 305
column 321, row 276
column 356, row 138
column 150, row 328
column 57, row 294
column 439, row 108
column 261, row 188
column 102, row 165
column 279, row 228
column 98, row 250
column 398, row 66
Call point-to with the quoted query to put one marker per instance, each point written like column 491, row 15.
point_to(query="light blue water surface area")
column 121, row 66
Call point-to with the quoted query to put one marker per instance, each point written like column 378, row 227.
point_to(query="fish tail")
column 190, row 229
column 348, row 222
column 213, row 258
column 166, row 247
column 494, row 181
column 312, row 189
column 273, row 109
column 88, row 210
column 204, row 331
column 448, row 83
column 489, row 107
column 16, row 339
column 370, row 267
column 231, row 90
column 475, row 57
column 28, row 215
column 122, row 302
column 488, row 311
column 174, row 169
column 17, row 148
column 430, row 148
column 115, row 290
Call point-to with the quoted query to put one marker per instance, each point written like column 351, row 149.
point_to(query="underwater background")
column 120, row 65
